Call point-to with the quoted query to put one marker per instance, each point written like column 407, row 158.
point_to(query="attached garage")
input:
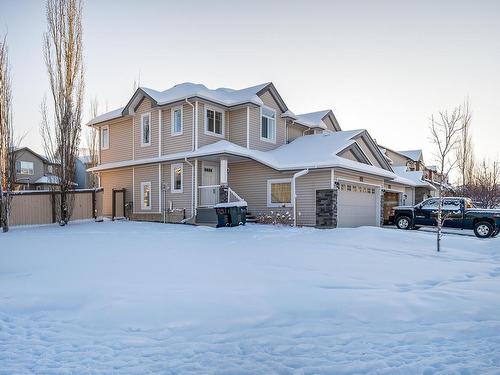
column 357, row 205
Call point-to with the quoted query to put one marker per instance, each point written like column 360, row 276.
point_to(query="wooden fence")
column 42, row 207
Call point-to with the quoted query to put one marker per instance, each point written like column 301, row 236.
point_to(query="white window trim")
column 172, row 111
column 172, row 178
column 273, row 141
column 213, row 134
column 142, row 130
column 143, row 185
column 277, row 181
column 104, row 147
column 32, row 169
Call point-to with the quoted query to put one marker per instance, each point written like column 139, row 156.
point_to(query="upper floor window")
column 146, row 195
column 105, row 137
column 214, row 122
column 25, row 167
column 50, row 169
column 268, row 125
column 176, row 175
column 177, row 120
column 146, row 129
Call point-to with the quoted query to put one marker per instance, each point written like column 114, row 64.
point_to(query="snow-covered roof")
column 106, row 116
column 49, row 180
column 312, row 151
column 416, row 178
column 224, row 96
column 414, row 155
column 313, row 119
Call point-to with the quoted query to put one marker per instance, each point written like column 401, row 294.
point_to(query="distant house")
column 34, row 171
column 410, row 164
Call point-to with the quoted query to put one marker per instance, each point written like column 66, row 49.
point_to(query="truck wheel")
column 483, row 229
column 403, row 222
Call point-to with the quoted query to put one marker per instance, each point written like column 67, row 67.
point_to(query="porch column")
column 223, row 190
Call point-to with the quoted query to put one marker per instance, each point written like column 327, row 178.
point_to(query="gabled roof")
column 312, row 151
column 415, row 155
column 222, row 96
column 42, row 157
column 317, row 119
column 416, row 177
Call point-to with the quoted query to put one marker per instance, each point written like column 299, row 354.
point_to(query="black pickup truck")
column 458, row 212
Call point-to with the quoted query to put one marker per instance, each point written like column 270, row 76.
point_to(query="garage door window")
column 279, row 193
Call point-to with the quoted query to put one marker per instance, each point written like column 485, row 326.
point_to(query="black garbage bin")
column 223, row 218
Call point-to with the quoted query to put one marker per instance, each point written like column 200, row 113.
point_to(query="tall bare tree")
column 7, row 157
column 444, row 134
column 63, row 52
column 464, row 150
column 485, row 186
column 92, row 140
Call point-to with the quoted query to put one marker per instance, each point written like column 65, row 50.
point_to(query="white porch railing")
column 209, row 196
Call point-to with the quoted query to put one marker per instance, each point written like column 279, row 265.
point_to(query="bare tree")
column 444, row 134
column 464, row 150
column 485, row 186
column 63, row 52
column 92, row 140
column 7, row 156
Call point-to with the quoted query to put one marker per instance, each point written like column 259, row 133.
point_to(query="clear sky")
column 381, row 65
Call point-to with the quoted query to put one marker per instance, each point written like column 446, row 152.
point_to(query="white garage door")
column 357, row 205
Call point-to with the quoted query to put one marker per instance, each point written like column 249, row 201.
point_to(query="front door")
column 209, row 191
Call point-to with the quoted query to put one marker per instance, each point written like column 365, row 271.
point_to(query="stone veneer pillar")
column 326, row 208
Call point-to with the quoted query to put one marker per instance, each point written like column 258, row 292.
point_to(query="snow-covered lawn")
column 144, row 298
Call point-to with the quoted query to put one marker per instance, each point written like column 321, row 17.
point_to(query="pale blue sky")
column 381, row 65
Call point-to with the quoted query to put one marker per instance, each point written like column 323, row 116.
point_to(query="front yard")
column 139, row 298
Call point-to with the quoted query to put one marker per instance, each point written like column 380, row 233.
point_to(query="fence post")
column 94, row 215
column 113, row 205
column 53, row 207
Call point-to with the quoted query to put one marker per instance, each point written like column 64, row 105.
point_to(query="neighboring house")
column 180, row 152
column 34, row 171
column 410, row 165
column 82, row 177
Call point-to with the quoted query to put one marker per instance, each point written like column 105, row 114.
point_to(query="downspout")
column 192, row 106
column 193, row 209
column 294, row 193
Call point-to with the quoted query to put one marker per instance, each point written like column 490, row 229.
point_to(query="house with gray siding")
column 180, row 152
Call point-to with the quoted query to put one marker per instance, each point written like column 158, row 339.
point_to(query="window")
column 25, row 167
column 177, row 120
column 451, row 204
column 430, row 204
column 146, row 195
column 177, row 177
column 105, row 137
column 50, row 169
column 214, row 122
column 146, row 129
column 268, row 124
column 279, row 193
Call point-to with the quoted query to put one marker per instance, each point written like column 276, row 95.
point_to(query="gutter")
column 294, row 193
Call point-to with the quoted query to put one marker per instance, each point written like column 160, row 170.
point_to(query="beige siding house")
column 182, row 152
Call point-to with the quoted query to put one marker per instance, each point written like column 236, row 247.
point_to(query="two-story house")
column 180, row 152
column 410, row 164
column 34, row 171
